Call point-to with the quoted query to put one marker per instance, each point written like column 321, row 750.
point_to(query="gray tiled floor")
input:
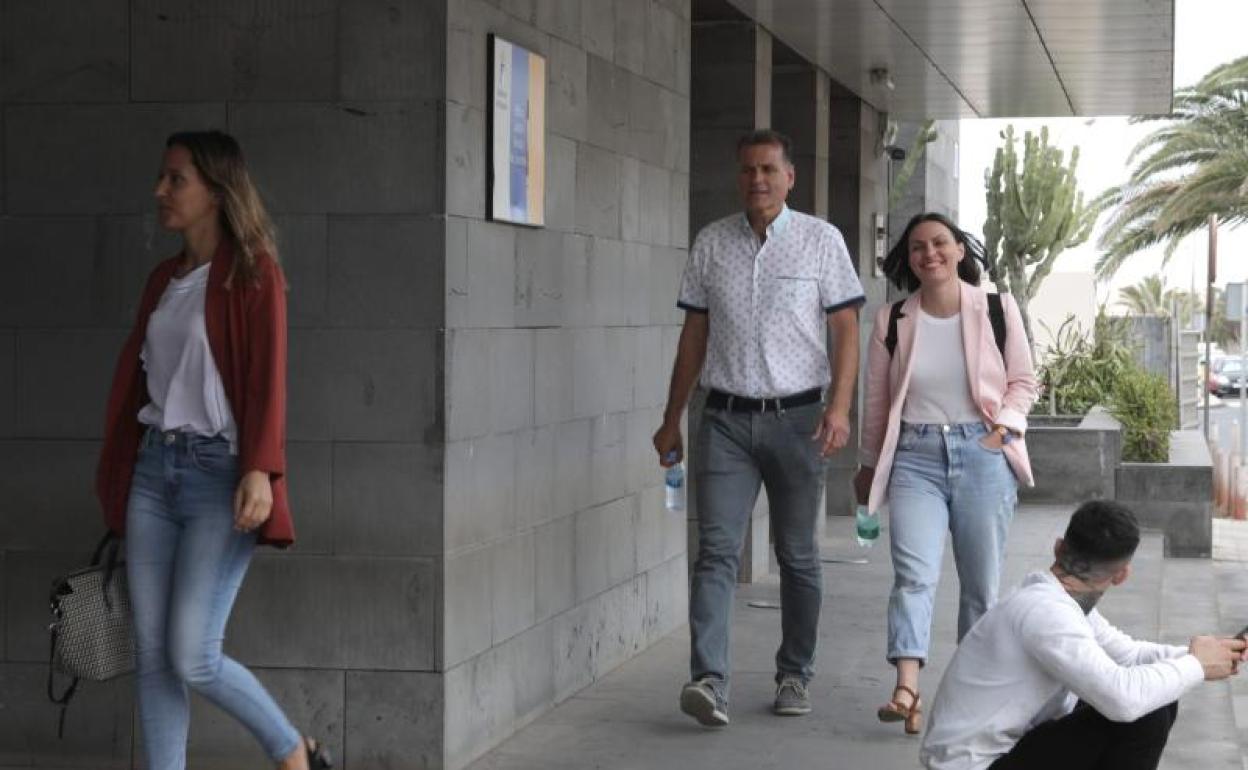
column 630, row 719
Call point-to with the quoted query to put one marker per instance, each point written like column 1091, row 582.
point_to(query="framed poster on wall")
column 517, row 168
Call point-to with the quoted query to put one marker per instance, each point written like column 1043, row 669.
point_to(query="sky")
column 1207, row 33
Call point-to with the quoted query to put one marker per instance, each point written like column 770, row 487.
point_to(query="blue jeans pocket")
column 979, row 442
column 213, row 456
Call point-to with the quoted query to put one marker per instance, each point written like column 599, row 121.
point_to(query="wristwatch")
column 1006, row 434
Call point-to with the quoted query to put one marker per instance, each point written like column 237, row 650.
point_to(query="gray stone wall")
column 561, row 560
column 337, row 104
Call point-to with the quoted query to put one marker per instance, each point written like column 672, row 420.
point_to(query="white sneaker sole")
column 791, row 711
column 695, row 702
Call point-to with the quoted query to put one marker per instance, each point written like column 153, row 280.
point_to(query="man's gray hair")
column 768, row 136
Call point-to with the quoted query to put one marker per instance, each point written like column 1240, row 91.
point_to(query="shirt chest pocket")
column 789, row 293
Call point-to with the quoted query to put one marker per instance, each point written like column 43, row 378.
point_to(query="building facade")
column 481, row 528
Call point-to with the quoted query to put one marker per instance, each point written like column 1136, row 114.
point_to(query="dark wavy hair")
column 897, row 263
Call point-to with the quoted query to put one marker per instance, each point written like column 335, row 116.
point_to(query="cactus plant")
column 1035, row 212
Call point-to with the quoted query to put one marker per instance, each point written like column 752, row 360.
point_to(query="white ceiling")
column 987, row 58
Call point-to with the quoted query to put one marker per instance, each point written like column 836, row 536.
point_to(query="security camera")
column 894, row 152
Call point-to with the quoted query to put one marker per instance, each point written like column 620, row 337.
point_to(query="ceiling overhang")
column 986, row 58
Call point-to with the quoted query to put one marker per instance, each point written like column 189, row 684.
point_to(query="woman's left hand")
column 253, row 501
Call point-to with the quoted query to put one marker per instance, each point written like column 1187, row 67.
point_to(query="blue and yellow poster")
column 518, row 146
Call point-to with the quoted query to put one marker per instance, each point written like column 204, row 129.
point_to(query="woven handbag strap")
column 110, row 538
column 63, row 699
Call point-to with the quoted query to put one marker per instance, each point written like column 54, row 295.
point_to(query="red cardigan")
column 246, row 327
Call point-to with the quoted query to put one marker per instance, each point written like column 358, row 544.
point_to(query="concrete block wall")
column 560, row 559
column 338, row 105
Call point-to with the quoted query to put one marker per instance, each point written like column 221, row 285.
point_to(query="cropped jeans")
column 185, row 563
column 944, row 479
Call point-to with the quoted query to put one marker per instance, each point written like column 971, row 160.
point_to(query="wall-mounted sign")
column 517, row 170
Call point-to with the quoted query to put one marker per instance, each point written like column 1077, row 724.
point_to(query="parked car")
column 1226, row 377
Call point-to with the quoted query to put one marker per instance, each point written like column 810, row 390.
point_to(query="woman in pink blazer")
column 942, row 438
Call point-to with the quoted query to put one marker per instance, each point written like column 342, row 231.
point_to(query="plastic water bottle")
column 674, row 483
column 867, row 526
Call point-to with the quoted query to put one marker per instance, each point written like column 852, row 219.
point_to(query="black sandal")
column 318, row 755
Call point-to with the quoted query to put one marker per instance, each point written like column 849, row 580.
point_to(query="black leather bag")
column 91, row 631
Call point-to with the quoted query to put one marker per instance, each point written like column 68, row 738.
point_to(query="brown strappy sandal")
column 895, row 711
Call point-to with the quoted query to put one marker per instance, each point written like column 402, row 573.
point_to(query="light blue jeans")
column 944, row 479
column 185, row 563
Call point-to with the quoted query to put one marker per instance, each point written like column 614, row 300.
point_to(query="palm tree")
column 1193, row 166
column 1148, row 297
column 1151, row 297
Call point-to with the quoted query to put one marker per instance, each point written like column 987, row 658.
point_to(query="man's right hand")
column 1219, row 657
column 669, row 444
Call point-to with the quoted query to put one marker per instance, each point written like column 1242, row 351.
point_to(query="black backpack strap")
column 996, row 316
column 890, row 339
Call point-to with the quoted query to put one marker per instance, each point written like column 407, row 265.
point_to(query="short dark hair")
column 897, row 263
column 768, row 136
column 1101, row 534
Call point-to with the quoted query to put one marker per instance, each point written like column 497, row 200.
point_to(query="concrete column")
column 800, row 110
column 731, row 94
column 857, row 190
column 731, row 91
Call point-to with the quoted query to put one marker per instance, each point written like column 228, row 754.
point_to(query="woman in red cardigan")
column 193, row 465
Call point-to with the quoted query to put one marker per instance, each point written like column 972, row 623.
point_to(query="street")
column 1221, row 419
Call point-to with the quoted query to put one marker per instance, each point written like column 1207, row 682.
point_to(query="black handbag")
column 91, row 633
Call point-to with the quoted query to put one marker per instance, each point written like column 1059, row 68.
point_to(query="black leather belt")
column 717, row 399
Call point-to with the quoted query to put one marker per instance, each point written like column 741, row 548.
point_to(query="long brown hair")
column 219, row 160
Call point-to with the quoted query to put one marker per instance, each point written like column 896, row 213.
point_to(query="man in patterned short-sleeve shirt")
column 760, row 291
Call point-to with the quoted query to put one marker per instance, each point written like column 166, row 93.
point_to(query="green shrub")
column 1080, row 368
column 1083, row 369
column 1144, row 404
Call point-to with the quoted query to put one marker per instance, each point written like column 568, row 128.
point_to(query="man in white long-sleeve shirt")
column 1043, row 681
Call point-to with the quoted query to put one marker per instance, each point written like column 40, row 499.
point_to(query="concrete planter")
column 1073, row 458
column 1175, row 497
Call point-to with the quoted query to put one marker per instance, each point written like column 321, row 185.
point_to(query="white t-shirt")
column 182, row 377
column 1028, row 660
column 940, row 389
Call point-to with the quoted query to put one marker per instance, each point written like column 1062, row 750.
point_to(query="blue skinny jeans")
column 185, row 563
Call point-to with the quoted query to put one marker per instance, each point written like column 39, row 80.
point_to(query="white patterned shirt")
column 768, row 302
